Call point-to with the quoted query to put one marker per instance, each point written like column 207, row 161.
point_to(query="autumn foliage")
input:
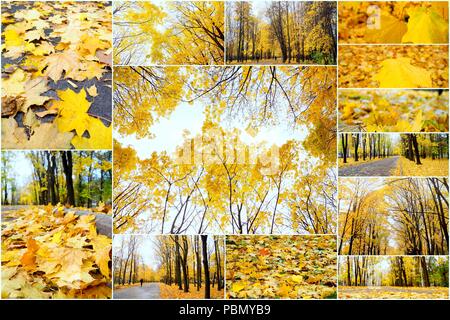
column 175, row 32
column 406, row 216
column 398, row 277
column 48, row 253
column 281, row 32
column 214, row 180
column 418, row 22
column 281, row 267
column 52, row 80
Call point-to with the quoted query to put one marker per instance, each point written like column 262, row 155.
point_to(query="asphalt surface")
column 377, row 168
column 147, row 291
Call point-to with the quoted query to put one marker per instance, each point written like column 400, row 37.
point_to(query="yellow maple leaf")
column 399, row 73
column 100, row 136
column 102, row 247
column 390, row 30
column 43, row 49
column 284, row 291
column 90, row 44
column 15, row 84
column 236, row 287
column 29, row 258
column 72, row 111
column 425, row 25
column 67, row 61
column 34, row 89
column 13, row 38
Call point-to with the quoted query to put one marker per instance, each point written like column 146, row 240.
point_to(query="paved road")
column 375, row 168
column 147, row 291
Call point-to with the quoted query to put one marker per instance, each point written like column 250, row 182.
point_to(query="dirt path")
column 373, row 169
column 147, row 291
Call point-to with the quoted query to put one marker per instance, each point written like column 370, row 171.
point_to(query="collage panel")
column 56, row 75
column 393, row 232
column 168, row 33
column 225, row 150
column 393, row 216
column 393, row 22
column 393, row 66
column 393, row 277
column 56, row 225
column 281, row 267
column 393, row 154
column 281, row 32
column 393, row 110
column 169, row 267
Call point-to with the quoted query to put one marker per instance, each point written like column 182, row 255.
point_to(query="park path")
column 147, row 291
column 373, row 169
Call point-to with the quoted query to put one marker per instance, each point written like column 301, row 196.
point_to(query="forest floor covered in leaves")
column 172, row 292
column 50, row 253
column 283, row 267
column 56, row 75
column 429, row 167
column 361, row 66
column 346, row 292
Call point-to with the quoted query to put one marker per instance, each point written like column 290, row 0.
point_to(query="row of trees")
column 129, row 264
column 219, row 194
column 413, row 146
column 365, row 146
column 404, row 216
column 394, row 271
column 302, row 32
column 75, row 178
column 189, row 260
column 192, row 263
column 417, row 146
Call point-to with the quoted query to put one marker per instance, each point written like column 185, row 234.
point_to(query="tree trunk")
column 66, row 157
column 206, row 265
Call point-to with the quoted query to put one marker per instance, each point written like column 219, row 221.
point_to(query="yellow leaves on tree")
column 188, row 32
column 245, row 189
column 143, row 95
